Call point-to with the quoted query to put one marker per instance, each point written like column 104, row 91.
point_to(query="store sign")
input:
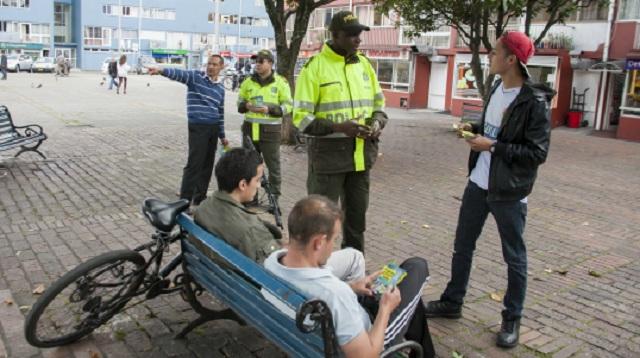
column 24, row 46
column 383, row 53
column 632, row 65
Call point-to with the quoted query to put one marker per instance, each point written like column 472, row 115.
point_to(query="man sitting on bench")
column 314, row 224
column 238, row 174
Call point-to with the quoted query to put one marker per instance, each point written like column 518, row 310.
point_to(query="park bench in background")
column 28, row 137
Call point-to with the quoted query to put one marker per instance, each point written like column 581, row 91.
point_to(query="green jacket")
column 224, row 217
column 332, row 88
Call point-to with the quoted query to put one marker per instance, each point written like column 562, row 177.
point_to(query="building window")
column 211, row 17
column 58, row 15
column 15, row 3
column 392, row 74
column 134, row 11
column 97, row 36
column 466, row 85
column 259, row 3
column 629, row 10
column 631, row 102
column 596, row 11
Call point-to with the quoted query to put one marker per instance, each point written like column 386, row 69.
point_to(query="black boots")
column 443, row 309
column 509, row 334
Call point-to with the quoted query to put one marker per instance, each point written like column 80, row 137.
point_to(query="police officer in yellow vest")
column 339, row 105
column 264, row 98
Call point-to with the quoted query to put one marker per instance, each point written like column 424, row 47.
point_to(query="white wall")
column 581, row 81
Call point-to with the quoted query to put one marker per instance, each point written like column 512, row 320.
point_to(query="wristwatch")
column 493, row 147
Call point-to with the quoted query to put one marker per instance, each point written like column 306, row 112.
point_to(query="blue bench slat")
column 243, row 264
column 242, row 299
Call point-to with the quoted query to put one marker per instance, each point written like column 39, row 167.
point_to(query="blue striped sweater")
column 205, row 98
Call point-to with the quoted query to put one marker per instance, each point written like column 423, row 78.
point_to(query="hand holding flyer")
column 391, row 276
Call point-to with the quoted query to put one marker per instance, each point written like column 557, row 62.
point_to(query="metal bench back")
column 7, row 130
column 239, row 288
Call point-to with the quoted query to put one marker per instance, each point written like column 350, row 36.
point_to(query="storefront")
column 34, row 50
column 177, row 58
column 629, row 123
column 552, row 69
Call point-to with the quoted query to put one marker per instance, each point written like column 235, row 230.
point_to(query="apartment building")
column 177, row 32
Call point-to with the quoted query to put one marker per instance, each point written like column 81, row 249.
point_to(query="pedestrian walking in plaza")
column 339, row 104
column 205, row 111
column 113, row 74
column 3, row 65
column 511, row 141
column 123, row 72
column 264, row 98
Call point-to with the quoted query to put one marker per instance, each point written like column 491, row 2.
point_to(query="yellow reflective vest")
column 331, row 88
column 274, row 94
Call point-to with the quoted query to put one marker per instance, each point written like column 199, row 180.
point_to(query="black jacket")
column 113, row 69
column 522, row 143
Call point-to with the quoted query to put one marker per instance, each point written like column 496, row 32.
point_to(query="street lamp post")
column 239, row 24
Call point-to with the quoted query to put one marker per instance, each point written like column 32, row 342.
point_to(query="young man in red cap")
column 511, row 141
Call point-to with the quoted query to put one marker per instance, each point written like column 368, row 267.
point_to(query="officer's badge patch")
column 365, row 77
column 274, row 90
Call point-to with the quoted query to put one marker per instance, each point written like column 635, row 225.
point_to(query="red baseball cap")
column 521, row 46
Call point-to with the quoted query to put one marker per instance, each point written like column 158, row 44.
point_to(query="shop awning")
column 608, row 66
column 20, row 46
column 168, row 52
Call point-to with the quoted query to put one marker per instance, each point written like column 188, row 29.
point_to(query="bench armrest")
column 30, row 130
column 319, row 314
column 412, row 345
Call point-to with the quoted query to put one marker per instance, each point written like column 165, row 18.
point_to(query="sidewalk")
column 584, row 218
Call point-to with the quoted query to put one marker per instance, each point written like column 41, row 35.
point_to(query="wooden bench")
column 28, row 138
column 471, row 112
column 300, row 326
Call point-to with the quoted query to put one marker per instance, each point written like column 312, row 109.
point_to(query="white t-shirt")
column 123, row 70
column 349, row 318
column 500, row 100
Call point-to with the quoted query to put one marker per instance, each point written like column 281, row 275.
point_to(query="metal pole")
column 216, row 41
column 119, row 24
column 239, row 18
column 600, row 122
column 139, row 26
column 350, row 5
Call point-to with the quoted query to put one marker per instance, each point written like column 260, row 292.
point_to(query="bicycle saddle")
column 163, row 215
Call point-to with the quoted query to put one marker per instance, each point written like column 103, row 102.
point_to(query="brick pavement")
column 84, row 200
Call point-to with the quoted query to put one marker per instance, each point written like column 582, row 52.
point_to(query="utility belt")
column 262, row 132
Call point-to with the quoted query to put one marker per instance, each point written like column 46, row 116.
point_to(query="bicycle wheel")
column 84, row 298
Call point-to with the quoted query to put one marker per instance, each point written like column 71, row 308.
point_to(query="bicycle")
column 88, row 296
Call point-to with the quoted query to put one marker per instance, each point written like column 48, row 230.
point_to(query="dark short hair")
column 313, row 215
column 234, row 166
column 220, row 57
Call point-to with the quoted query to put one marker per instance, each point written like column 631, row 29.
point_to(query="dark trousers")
column 352, row 189
column 407, row 320
column 4, row 73
column 203, row 139
column 511, row 218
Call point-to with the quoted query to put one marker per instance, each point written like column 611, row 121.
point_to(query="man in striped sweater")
column 205, row 111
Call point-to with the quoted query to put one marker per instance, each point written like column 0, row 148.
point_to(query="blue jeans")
column 510, row 217
column 112, row 82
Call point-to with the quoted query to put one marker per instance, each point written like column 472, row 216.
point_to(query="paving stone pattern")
column 582, row 231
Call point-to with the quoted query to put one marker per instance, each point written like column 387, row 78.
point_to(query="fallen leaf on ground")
column 562, row 272
column 586, row 223
column 404, row 222
column 426, row 226
column 455, row 354
column 496, row 296
column 548, row 270
column 595, row 273
column 93, row 354
column 24, row 308
column 8, row 301
column 38, row 290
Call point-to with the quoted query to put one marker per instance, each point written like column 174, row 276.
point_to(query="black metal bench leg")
column 210, row 316
column 31, row 149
